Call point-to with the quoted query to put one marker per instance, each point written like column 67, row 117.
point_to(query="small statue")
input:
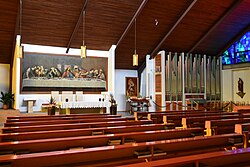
column 112, row 100
column 240, row 88
column 240, row 85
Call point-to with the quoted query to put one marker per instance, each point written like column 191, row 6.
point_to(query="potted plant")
column 7, row 99
column 52, row 106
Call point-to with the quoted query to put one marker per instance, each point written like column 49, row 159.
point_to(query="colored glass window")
column 239, row 52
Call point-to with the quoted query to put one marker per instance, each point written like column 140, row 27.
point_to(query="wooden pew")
column 243, row 111
column 157, row 117
column 223, row 126
column 72, row 126
column 66, row 117
column 42, row 145
column 143, row 115
column 54, row 116
column 240, row 128
column 177, row 119
column 236, row 157
column 73, row 121
column 81, row 132
column 121, row 154
column 243, row 129
column 200, row 121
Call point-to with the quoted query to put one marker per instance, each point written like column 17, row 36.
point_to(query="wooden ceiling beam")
column 137, row 13
column 237, row 37
column 228, row 12
column 76, row 26
column 154, row 52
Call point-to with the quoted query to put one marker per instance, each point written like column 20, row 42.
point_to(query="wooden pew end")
column 208, row 132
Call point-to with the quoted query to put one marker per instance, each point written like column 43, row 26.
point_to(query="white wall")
column 4, row 78
column 143, row 83
column 150, row 81
column 230, row 84
column 111, row 69
column 120, row 97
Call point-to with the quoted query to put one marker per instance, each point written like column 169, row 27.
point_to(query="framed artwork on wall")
column 132, row 87
column 47, row 72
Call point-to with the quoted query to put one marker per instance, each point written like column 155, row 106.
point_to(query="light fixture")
column 83, row 47
column 135, row 55
column 19, row 49
column 156, row 22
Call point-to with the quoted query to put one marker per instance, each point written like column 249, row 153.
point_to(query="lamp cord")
column 135, row 35
column 20, row 17
column 83, row 28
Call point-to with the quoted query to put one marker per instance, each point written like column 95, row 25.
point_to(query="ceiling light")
column 83, row 47
column 18, row 48
column 135, row 55
column 156, row 22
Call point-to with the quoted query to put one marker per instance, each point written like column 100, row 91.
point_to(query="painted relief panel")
column 46, row 72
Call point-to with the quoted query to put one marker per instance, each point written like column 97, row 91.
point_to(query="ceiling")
column 197, row 26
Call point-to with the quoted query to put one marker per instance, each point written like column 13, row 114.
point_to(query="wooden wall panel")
column 158, row 102
column 8, row 15
column 52, row 23
column 158, row 83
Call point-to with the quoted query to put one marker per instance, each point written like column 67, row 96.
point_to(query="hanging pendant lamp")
column 135, row 55
column 83, row 47
column 19, row 49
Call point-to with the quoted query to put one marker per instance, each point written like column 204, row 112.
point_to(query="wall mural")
column 47, row 72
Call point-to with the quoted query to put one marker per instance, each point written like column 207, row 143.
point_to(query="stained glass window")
column 239, row 52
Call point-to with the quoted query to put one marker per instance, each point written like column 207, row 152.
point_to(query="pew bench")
column 65, row 143
column 72, row 126
column 81, row 132
column 54, row 116
column 223, row 126
column 200, row 121
column 72, row 121
column 238, row 157
column 176, row 117
column 66, row 117
column 114, row 154
column 143, row 115
column 243, row 129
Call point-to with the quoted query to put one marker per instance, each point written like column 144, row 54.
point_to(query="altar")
column 86, row 107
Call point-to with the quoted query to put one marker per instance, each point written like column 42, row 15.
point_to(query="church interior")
column 124, row 83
